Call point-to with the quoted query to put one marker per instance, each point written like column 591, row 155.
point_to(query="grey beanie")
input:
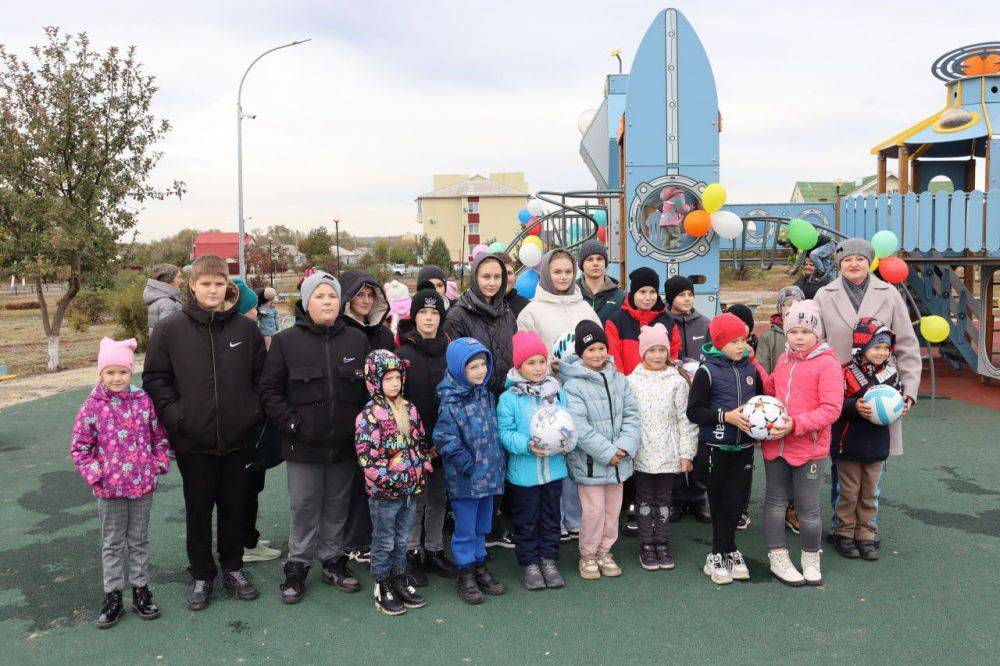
column 590, row 248
column 788, row 293
column 850, row 246
column 316, row 279
column 164, row 272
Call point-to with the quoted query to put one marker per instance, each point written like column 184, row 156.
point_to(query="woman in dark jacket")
column 365, row 307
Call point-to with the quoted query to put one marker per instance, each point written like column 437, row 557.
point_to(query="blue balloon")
column 524, row 216
column 526, row 283
column 601, row 217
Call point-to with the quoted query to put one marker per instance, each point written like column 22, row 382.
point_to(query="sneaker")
column 111, row 610
column 264, row 542
column 737, row 566
column 240, row 585
column 630, row 524
column 361, row 555
column 406, row 590
column 676, row 513
column 435, row 560
column 468, row 590
column 664, row 557
column 260, row 553
column 647, row 558
column 386, row 600
column 608, row 565
column 335, row 572
column 783, row 569
column 487, row 582
column 716, row 569
column 868, row 550
column 700, row 513
column 415, row 568
column 810, row 568
column 792, row 519
column 531, row 576
column 200, row 594
column 550, row 572
column 588, row 568
column 846, row 547
column 294, row 587
column 504, row 541
column 744, row 522
column 142, row 603
column 564, row 536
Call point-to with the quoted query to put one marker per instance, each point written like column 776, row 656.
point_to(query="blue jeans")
column 570, row 503
column 835, row 495
column 821, row 258
column 473, row 520
column 391, row 523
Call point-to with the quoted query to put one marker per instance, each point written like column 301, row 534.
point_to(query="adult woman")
column 558, row 305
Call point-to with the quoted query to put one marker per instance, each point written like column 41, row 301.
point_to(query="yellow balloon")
column 713, row 198
column 533, row 240
column 874, row 266
column 934, row 328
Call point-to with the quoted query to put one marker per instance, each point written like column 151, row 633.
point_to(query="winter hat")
column 805, row 314
column 725, row 328
column 428, row 273
column 164, row 272
column 248, row 299
column 526, row 345
column 851, row 246
column 744, row 313
column 316, row 279
column 880, row 338
column 788, row 293
column 451, row 290
column 674, row 286
column 116, row 352
column 478, row 356
column 427, row 298
column 651, row 336
column 639, row 278
column 870, row 331
column 590, row 248
column 588, row 333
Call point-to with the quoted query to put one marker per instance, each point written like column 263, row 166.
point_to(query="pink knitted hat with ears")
column 805, row 314
column 651, row 336
column 116, row 352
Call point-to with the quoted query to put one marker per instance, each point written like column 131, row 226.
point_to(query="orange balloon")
column 697, row 223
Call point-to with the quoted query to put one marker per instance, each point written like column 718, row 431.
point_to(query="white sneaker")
column 810, row 568
column 260, row 553
column 716, row 569
column 783, row 569
column 737, row 566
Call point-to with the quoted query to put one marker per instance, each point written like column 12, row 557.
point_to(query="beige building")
column 485, row 208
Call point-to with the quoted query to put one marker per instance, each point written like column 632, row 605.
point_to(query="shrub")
column 22, row 305
column 130, row 314
column 89, row 307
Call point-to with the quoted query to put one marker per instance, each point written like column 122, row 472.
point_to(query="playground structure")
column 652, row 148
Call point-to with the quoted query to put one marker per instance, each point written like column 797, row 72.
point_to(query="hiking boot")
column 868, row 550
column 715, row 568
column 664, row 557
column 531, row 576
column 846, row 547
column 200, row 594
column 239, row 584
column 142, row 603
column 783, row 569
column 676, row 513
column 385, row 598
column 648, row 559
column 406, row 591
column 810, row 568
column 435, row 560
column 737, row 566
column 260, row 553
column 468, row 590
column 487, row 582
column 792, row 519
column 744, row 522
column 294, row 587
column 550, row 572
column 415, row 568
column 608, row 565
column 335, row 572
column 700, row 513
column 588, row 568
column 111, row 610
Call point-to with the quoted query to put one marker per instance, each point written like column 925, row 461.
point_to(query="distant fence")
column 28, row 289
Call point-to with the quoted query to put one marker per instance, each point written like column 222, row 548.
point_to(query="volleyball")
column 563, row 344
column 887, row 404
column 553, row 429
column 764, row 414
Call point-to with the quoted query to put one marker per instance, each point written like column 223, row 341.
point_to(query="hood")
column 436, row 346
column 379, row 363
column 458, row 354
column 156, row 290
column 205, row 317
column 777, row 322
column 474, row 299
column 351, row 283
column 543, row 295
column 610, row 284
column 644, row 317
column 818, row 349
column 866, row 329
column 102, row 393
column 303, row 320
column 572, row 365
column 545, row 279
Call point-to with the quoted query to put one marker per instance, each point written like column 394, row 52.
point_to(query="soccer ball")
column 764, row 414
column 887, row 404
column 553, row 428
column 563, row 344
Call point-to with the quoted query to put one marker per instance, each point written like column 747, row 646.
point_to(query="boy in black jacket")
column 202, row 371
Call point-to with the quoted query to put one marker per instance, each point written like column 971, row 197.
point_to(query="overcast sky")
column 357, row 121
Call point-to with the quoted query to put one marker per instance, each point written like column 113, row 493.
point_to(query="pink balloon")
column 479, row 249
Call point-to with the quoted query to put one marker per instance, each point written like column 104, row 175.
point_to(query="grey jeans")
column 125, row 535
column 319, row 496
column 431, row 509
column 801, row 483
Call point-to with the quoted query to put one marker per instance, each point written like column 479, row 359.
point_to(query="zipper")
column 329, row 383
column 611, row 410
column 215, row 381
column 788, row 396
column 739, row 401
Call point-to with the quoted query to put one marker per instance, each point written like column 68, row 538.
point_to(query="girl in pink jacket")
column 810, row 383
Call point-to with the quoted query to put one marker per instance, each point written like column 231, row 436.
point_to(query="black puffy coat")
column 202, row 371
column 313, row 388
column 378, row 334
column 426, row 370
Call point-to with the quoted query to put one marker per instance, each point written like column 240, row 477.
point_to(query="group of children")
column 426, row 431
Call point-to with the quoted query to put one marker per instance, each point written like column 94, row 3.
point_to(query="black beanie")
column 643, row 277
column 674, row 286
column 427, row 298
column 587, row 333
column 744, row 313
column 428, row 272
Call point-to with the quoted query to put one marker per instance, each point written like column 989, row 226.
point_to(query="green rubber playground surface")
column 932, row 597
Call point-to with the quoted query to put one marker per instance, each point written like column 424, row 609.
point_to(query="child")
column 534, row 479
column 860, row 447
column 642, row 307
column 468, row 441
column 667, row 446
column 119, row 448
column 793, row 463
column 392, row 450
column 679, row 297
column 724, row 381
column 434, row 277
column 599, row 290
column 267, row 313
column 202, row 371
column 608, row 427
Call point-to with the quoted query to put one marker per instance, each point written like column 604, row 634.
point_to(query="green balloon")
column 885, row 243
column 802, row 234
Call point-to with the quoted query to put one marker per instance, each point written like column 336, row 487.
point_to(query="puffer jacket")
column 606, row 301
column 692, row 331
column 118, row 445
column 721, row 384
column 550, row 314
column 771, row 344
column 162, row 299
column 623, row 329
column 427, row 365
column 667, row 435
column 606, row 416
column 466, row 435
column 373, row 326
column 395, row 464
column 514, row 414
column 811, row 386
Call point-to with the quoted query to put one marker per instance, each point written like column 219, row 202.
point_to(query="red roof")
column 222, row 237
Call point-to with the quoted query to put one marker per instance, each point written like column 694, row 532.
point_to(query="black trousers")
column 255, row 485
column 691, row 489
column 215, row 483
column 729, row 475
column 535, row 511
column 358, row 530
column 652, row 504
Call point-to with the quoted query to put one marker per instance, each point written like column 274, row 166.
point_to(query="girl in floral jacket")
column 119, row 447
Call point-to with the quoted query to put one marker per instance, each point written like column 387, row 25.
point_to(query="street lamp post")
column 239, row 149
column 336, row 227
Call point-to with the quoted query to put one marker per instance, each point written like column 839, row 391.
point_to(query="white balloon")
column 530, row 254
column 583, row 122
column 535, row 208
column 727, row 224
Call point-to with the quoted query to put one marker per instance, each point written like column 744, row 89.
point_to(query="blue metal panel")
column 896, row 215
column 869, row 216
column 697, row 130
column 645, row 113
column 974, row 221
column 956, row 222
column 941, row 200
column 993, row 222
column 911, row 222
column 925, row 231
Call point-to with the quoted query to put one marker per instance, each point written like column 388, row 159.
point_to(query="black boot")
column 200, row 594
column 630, row 522
column 111, row 610
column 846, row 547
column 386, row 599
column 415, row 568
column 336, row 572
column 407, row 592
column 294, row 587
column 435, row 560
column 468, row 590
column 868, row 550
column 487, row 582
column 240, row 585
column 676, row 513
column 700, row 513
column 142, row 603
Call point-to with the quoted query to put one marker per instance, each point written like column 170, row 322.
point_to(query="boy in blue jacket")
column 468, row 441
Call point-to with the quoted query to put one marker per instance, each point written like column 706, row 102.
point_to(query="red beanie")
column 725, row 328
column 526, row 345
